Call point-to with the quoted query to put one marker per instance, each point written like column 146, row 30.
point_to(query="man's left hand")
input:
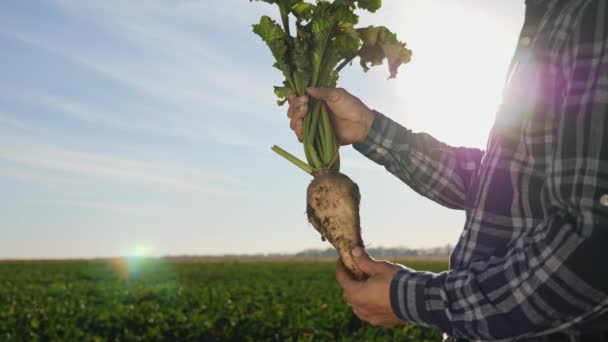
column 370, row 298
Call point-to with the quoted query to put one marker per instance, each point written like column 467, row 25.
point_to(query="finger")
column 326, row 94
column 290, row 111
column 297, row 101
column 359, row 314
column 292, row 124
column 297, row 112
column 344, row 278
column 364, row 261
column 296, row 125
column 300, row 111
column 300, row 130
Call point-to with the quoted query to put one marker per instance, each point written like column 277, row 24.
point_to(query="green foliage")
column 154, row 300
column 277, row 41
column 325, row 41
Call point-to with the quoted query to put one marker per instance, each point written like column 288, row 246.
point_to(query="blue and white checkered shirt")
column 529, row 260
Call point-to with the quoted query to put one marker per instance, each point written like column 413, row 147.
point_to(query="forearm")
column 546, row 284
column 430, row 167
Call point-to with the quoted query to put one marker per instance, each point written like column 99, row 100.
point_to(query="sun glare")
column 130, row 266
column 453, row 86
column 140, row 252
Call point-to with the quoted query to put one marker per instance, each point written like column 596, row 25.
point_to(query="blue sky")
column 147, row 125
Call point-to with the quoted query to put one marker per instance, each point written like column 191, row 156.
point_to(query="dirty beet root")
column 333, row 209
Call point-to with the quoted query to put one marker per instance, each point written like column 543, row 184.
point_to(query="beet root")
column 333, row 210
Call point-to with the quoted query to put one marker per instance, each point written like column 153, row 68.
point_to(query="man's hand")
column 350, row 117
column 370, row 299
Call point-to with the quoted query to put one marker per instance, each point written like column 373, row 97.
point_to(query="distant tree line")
column 382, row 252
column 330, row 252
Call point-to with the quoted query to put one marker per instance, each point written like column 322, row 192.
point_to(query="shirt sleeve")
column 552, row 279
column 433, row 169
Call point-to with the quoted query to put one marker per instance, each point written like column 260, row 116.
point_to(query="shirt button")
column 604, row 200
column 380, row 150
column 525, row 41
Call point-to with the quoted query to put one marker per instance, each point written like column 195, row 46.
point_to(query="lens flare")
column 137, row 259
column 132, row 265
column 146, row 276
column 140, row 252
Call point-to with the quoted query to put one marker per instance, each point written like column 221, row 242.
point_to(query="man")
column 529, row 263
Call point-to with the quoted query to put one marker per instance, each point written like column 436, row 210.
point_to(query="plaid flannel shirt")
column 529, row 260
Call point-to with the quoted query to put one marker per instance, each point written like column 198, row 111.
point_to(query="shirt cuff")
column 376, row 142
column 408, row 296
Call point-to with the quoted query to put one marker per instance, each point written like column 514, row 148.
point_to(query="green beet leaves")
column 324, row 42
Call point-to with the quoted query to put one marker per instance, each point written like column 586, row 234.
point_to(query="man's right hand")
column 350, row 117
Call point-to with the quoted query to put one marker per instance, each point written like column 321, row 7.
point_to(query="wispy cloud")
column 156, row 57
column 72, row 109
column 35, row 157
column 201, row 85
column 57, row 105
column 149, row 120
column 40, row 177
column 131, row 208
column 182, row 87
column 9, row 120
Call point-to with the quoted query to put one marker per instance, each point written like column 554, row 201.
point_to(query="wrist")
column 368, row 121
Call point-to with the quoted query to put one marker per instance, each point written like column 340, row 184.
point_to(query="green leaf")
column 344, row 13
column 370, row 5
column 302, row 10
column 278, row 42
column 302, row 58
column 325, row 41
column 283, row 4
column 299, row 8
column 283, row 94
column 323, row 23
column 347, row 44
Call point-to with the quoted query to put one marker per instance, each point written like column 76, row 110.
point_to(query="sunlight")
column 134, row 262
column 453, row 86
column 131, row 265
column 140, row 252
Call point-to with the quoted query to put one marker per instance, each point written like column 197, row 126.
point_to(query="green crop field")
column 154, row 300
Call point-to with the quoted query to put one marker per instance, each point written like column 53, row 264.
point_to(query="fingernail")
column 357, row 252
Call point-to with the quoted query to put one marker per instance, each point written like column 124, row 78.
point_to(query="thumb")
column 365, row 263
column 325, row 94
